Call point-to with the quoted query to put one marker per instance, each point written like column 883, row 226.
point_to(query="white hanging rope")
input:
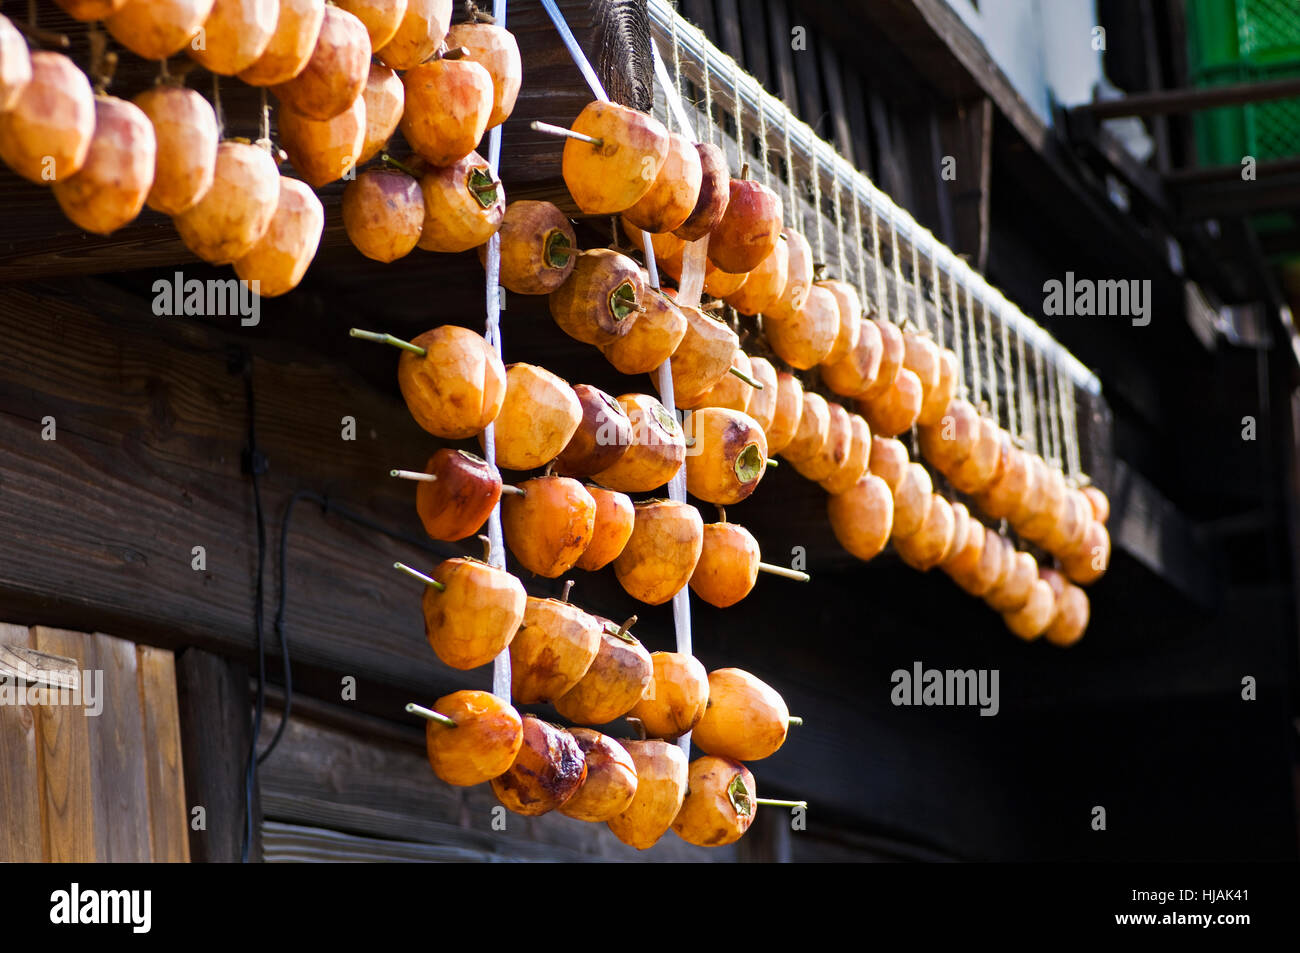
column 977, row 393
column 1013, row 423
column 895, row 252
column 671, row 93
column 861, row 254
column 791, row 206
column 677, row 486
column 882, row 302
column 921, row 321
column 1028, row 432
column 708, row 91
column 816, row 174
column 839, row 234
column 955, row 293
column 936, row 293
column 993, row 363
column 738, row 104
column 496, row 542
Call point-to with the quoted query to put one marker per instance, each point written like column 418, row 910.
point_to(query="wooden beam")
column 1151, row 529
column 950, row 58
column 1230, row 198
column 1192, row 99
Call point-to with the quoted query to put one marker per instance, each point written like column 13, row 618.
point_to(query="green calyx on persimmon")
column 558, row 248
column 483, row 187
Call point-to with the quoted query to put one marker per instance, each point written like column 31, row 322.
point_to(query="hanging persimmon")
column 611, row 177
column 548, row 770
column 555, row 645
column 662, row 774
column 611, row 780
column 614, row 681
column 662, row 552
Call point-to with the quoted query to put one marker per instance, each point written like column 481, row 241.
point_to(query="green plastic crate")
column 1269, row 130
column 1245, row 41
column 1251, row 33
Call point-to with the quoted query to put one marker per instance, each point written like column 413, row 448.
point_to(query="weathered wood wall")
column 79, row 786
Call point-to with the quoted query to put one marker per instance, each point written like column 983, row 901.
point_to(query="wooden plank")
column 835, row 101
column 1163, row 102
column 890, row 171
column 66, row 763
column 812, row 106
column 1151, row 529
column 757, row 45
column 700, row 12
column 21, row 838
column 168, row 810
column 855, row 115
column 215, row 730
column 117, row 749
column 728, row 38
column 782, row 55
column 1154, row 80
column 966, row 134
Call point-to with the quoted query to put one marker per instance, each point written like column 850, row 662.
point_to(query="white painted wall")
column 1045, row 47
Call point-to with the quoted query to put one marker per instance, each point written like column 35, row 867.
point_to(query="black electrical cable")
column 327, row 507
column 256, row 464
column 254, row 467
column 279, row 615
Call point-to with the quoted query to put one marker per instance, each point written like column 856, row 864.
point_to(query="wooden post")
column 216, row 730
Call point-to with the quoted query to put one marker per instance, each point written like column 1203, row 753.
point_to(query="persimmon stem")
column 378, row 338
column 550, row 130
column 430, row 714
column 564, row 596
column 772, row 802
column 413, row 475
column 794, row 574
column 398, row 165
column 737, row 372
column 771, row 462
column 621, row 632
column 43, row 37
column 416, row 574
column 487, row 548
column 722, row 515
column 794, row 720
column 513, row 490
column 637, row 726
